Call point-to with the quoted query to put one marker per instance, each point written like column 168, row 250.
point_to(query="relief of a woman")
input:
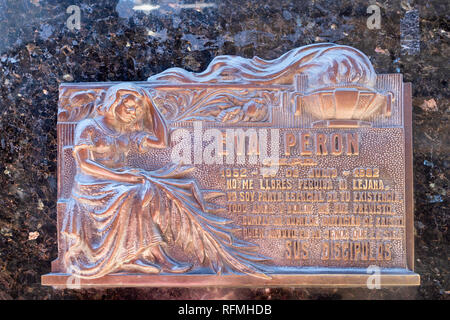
column 109, row 222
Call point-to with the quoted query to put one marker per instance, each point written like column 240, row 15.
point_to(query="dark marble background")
column 115, row 43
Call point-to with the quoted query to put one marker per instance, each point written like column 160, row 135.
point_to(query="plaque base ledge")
column 63, row 281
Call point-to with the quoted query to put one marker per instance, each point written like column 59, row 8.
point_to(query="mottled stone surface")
column 38, row 51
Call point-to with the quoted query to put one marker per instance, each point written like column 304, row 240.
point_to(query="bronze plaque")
column 295, row 171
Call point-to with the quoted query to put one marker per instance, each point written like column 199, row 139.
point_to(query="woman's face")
column 130, row 109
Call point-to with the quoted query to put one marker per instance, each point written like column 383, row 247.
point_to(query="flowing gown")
column 107, row 223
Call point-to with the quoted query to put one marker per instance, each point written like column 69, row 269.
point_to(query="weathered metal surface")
column 290, row 172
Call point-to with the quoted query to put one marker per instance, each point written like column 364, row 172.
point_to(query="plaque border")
column 322, row 280
column 409, row 183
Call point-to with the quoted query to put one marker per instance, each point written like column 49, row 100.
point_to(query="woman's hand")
column 138, row 175
column 134, row 175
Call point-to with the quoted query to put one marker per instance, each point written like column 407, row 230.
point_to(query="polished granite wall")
column 116, row 43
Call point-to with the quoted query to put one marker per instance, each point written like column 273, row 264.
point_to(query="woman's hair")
column 112, row 99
